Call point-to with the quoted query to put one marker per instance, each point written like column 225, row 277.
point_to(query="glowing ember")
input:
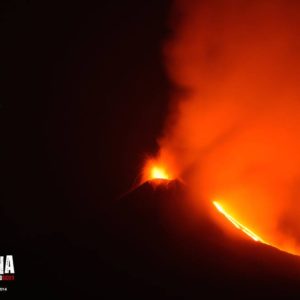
column 237, row 224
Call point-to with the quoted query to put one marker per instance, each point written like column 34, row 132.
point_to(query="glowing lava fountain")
column 159, row 173
column 155, row 170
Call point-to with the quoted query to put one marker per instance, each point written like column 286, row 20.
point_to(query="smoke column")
column 233, row 132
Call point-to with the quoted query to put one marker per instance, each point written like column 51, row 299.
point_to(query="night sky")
column 84, row 96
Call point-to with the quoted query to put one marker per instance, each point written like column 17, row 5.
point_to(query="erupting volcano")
column 174, row 248
column 154, row 170
column 155, row 174
column 159, row 173
column 232, row 133
column 233, row 129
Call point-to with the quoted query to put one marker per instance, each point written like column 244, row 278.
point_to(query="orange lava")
column 237, row 224
column 159, row 173
column 251, row 234
column 154, row 169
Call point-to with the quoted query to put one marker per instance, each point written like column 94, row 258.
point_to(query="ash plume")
column 233, row 131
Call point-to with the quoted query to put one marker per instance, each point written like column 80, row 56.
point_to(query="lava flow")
column 237, row 224
column 158, row 172
column 249, row 232
column 233, row 126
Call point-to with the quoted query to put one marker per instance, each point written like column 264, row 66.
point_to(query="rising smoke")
column 233, row 132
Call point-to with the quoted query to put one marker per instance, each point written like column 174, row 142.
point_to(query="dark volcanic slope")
column 166, row 249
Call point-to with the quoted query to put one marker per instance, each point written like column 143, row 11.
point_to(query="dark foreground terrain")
column 154, row 245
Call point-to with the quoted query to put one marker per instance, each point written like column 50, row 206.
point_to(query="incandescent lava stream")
column 170, row 244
